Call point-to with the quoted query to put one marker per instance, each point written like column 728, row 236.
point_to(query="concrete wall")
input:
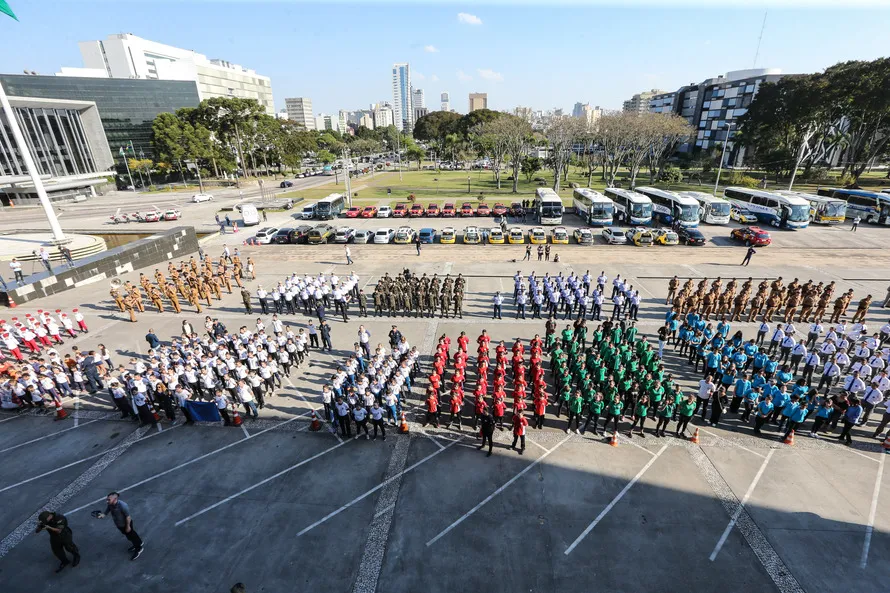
column 176, row 243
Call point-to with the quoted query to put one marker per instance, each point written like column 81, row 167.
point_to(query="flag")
column 4, row 7
column 121, row 151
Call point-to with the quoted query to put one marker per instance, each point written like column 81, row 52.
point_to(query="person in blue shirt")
column 740, row 359
column 788, row 410
column 701, row 356
column 784, row 376
column 700, row 325
column 751, row 399
column 742, row 387
column 759, row 380
column 673, row 325
column 795, row 419
column 713, row 364
column 708, row 332
column 800, row 389
column 770, row 367
column 764, row 408
column 780, row 399
column 823, row 413
column 692, row 318
column 851, row 417
column 760, row 360
column 723, row 327
column 717, row 342
column 737, row 340
column 727, row 377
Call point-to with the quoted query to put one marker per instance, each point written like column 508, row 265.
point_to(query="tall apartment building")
column 478, row 101
column 125, row 55
column 586, row 112
column 419, row 101
column 367, row 120
column 383, row 115
column 299, row 110
column 639, row 103
column 403, row 101
column 445, row 101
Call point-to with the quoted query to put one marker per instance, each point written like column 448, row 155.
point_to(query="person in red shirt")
column 499, row 407
column 435, row 381
column 519, row 405
column 484, row 339
column 456, row 401
column 540, row 409
column 537, row 343
column 432, row 408
column 483, row 367
column 480, row 409
column 516, row 361
column 519, row 424
column 518, row 348
column 446, row 341
column 458, row 377
column 462, row 341
column 439, row 367
column 499, row 382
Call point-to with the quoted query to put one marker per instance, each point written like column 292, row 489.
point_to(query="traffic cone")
column 614, row 441
column 694, row 439
column 315, row 425
column 236, row 417
column 789, row 440
column 61, row 414
column 887, row 444
column 12, row 304
column 403, row 427
column 155, row 415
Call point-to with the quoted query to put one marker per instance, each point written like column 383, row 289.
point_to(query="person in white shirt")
column 853, row 384
column 497, row 301
column 377, row 420
column 360, row 415
column 705, row 390
column 776, row 340
column 870, row 399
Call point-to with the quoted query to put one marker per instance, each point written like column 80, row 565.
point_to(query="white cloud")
column 434, row 78
column 418, row 76
column 489, row 74
column 430, row 49
column 468, row 19
column 463, row 76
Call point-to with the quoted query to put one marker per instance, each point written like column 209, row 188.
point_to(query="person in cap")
column 61, row 539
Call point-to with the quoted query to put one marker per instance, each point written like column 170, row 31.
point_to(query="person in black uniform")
column 60, row 537
column 487, row 432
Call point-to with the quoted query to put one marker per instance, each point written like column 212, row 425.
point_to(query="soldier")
column 194, row 297
column 791, row 306
column 756, row 307
column 378, row 301
column 362, row 304
column 61, row 539
column 170, row 291
column 154, row 295
column 245, row 297
column 840, row 306
column 391, row 302
column 819, row 313
column 159, row 278
column 809, row 301
column 708, row 305
column 862, row 310
column 227, row 280
column 459, row 303
column 444, row 298
column 116, row 295
column 772, row 303
column 739, row 304
column 130, row 304
column 431, row 297
column 251, row 268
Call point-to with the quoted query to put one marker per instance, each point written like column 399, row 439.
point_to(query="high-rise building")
column 299, row 109
column 420, row 112
column 446, row 102
column 367, row 120
column 125, row 55
column 419, row 101
column 383, row 115
column 403, row 101
column 639, row 103
column 586, row 112
column 281, row 114
column 343, row 121
column 478, row 101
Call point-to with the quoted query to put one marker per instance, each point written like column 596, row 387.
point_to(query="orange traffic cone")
column 61, row 414
column 403, row 426
column 156, row 416
column 789, row 440
column 614, row 441
column 887, row 444
column 315, row 425
column 236, row 417
column 694, row 439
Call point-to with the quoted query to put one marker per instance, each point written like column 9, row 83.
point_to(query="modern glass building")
column 403, row 99
column 127, row 107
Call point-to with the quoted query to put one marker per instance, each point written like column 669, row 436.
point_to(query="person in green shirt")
column 581, row 331
column 630, row 334
column 685, row 409
column 641, row 410
column 656, row 394
column 594, row 411
column 616, row 335
column 665, row 413
column 565, row 395
column 597, row 336
column 567, row 335
column 613, row 412
column 576, row 404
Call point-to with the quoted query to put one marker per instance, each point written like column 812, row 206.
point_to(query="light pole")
column 139, row 169
column 347, row 161
column 468, row 183
column 437, row 185
column 127, row 165
column 722, row 155
column 399, row 151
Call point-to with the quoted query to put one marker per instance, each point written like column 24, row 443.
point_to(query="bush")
column 740, row 179
column 481, row 197
column 671, row 175
column 412, row 198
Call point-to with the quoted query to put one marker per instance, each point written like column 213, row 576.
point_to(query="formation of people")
column 314, row 295
column 409, row 293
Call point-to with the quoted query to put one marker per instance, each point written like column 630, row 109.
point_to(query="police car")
column 496, row 235
column 583, row 236
column 471, row 235
column 559, row 235
column 742, row 215
column 666, row 237
column 515, row 236
column 448, row 235
column 642, row 237
column 404, row 234
column 614, row 236
column 537, row 235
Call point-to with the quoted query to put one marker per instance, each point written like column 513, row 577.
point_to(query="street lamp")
column 723, row 154
column 437, row 185
column 468, row 183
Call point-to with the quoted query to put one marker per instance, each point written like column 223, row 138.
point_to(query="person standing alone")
column 120, row 514
column 856, row 222
column 751, row 251
column 348, row 256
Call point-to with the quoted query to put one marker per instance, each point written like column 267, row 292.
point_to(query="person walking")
column 487, row 431
column 748, row 255
column 44, row 259
column 417, row 244
column 519, row 424
column 856, row 222
column 349, row 261
column 61, row 539
column 528, row 253
column 325, row 331
column 120, row 514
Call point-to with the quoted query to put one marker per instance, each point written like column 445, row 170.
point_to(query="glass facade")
column 127, row 107
column 55, row 138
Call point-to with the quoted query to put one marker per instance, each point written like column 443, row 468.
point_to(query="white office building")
column 383, row 115
column 125, row 55
column 445, row 101
column 419, row 101
column 299, row 110
column 403, row 100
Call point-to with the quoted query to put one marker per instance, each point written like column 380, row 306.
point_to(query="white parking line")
column 741, row 507
column 46, row 436
column 871, row 514
column 260, row 483
column 615, row 501
column 19, row 415
column 715, row 435
column 373, row 490
column 491, row 496
column 244, row 430
column 437, row 443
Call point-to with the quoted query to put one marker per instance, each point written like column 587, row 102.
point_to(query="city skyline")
column 455, row 51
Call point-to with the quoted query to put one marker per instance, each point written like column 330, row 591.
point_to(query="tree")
column 668, row 132
column 325, row 156
column 562, row 135
column 415, row 153
column 519, row 140
column 228, row 118
column 614, row 134
column 531, row 165
column 493, row 137
column 434, row 126
column 465, row 124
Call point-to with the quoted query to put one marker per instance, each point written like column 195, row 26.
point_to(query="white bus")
column 548, row 206
column 823, row 210
column 780, row 211
column 669, row 207
column 593, row 207
column 872, row 207
column 330, row 207
column 630, row 207
column 712, row 209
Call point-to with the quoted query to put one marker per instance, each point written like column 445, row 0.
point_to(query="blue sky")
column 539, row 55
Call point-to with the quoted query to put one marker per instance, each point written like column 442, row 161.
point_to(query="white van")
column 249, row 215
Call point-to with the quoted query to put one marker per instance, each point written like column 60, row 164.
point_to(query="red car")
column 400, row 211
column 499, row 209
column 448, row 210
column 432, row 210
column 751, row 235
column 483, row 210
column 369, row 212
column 416, row 210
column 353, row 212
column 466, row 209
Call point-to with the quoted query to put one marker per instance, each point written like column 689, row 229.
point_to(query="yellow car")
column 515, row 236
column 496, row 235
column 666, row 237
column 471, row 235
column 643, row 237
column 404, row 234
column 559, row 235
column 742, row 215
column 448, row 235
column 537, row 235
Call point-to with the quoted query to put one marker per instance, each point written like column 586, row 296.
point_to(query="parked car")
column 404, row 235
column 499, row 209
column 172, row 214
column 448, row 210
column 344, row 234
column 321, row 234
column 416, row 211
column 447, row 235
column 483, row 210
column 384, row 212
column 432, row 210
column 742, row 215
column 496, row 235
column 583, row 236
column 353, row 212
column 517, row 210
column 614, row 236
column 264, row 235
column 427, row 235
column 282, row 237
column 383, row 235
column 299, row 234
column 202, row 198
column 515, row 236
column 369, row 212
column 559, row 235
column 286, row 183
column 362, row 236
column 400, row 211
column 472, row 235
column 690, row 236
column 466, row 209
column 642, row 237
column 537, row 235
column 752, row 235
column 666, row 237
column 151, row 216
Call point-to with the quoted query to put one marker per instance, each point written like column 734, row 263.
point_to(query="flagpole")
column 127, row 164
column 58, row 236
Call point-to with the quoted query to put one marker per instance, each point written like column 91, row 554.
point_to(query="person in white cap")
column 53, row 328
column 13, row 346
column 78, row 317
column 42, row 335
column 67, row 324
column 28, row 338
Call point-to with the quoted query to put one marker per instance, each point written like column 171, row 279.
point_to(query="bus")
column 630, row 207
column 823, row 210
column 870, row 206
column 670, row 207
column 712, row 209
column 330, row 207
column 789, row 212
column 593, row 207
column 548, row 206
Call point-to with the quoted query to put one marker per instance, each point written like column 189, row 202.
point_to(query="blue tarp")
column 203, row 411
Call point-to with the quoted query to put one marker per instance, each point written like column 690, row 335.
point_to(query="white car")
column 264, row 235
column 344, row 234
column 202, row 198
column 614, row 236
column 384, row 235
column 384, row 212
column 362, row 236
